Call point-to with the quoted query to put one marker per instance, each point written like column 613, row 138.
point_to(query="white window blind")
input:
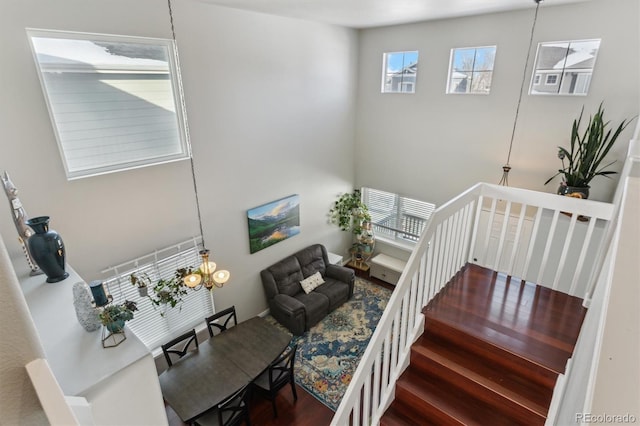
column 396, row 217
column 152, row 328
column 114, row 101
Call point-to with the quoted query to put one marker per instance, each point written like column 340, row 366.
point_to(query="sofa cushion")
column 336, row 291
column 287, row 275
column 311, row 282
column 316, row 306
column 311, row 260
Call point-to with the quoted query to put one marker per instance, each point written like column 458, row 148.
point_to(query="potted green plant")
column 114, row 316
column 586, row 153
column 350, row 213
column 142, row 282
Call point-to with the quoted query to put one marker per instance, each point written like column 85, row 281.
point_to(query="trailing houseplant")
column 170, row 292
column 350, row 213
column 114, row 316
column 586, row 152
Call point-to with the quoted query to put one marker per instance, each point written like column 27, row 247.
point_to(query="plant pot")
column 574, row 191
column 116, row 326
column 143, row 291
column 47, row 249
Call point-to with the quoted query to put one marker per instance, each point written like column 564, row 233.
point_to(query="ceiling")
column 375, row 13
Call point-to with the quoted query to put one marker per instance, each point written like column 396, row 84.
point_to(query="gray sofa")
column 290, row 304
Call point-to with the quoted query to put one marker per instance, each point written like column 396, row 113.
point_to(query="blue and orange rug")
column 329, row 353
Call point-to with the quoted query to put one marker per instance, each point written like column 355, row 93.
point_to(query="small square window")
column 471, row 70
column 399, row 72
column 567, row 67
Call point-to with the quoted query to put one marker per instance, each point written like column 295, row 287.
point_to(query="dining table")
column 221, row 366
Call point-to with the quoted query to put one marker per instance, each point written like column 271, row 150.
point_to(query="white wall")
column 432, row 146
column 19, row 403
column 270, row 103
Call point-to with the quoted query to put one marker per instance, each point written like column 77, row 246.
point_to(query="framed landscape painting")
column 273, row 222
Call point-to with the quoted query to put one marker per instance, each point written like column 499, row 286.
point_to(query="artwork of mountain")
column 273, row 222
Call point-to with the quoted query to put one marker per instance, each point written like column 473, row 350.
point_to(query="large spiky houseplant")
column 587, row 151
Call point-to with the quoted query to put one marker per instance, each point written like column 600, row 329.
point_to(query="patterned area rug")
column 329, row 353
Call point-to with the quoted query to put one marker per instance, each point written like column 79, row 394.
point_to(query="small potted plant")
column 586, row 153
column 114, row 316
column 142, row 281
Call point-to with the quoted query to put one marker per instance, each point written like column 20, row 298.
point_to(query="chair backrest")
column 233, row 410
column 181, row 344
column 226, row 314
column 281, row 370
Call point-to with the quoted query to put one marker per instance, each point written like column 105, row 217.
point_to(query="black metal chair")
column 181, row 350
column 278, row 375
column 230, row 412
column 229, row 313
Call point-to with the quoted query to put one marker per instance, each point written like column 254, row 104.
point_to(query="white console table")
column 120, row 383
column 334, row 259
column 387, row 268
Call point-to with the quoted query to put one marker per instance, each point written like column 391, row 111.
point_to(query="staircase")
column 488, row 348
column 491, row 352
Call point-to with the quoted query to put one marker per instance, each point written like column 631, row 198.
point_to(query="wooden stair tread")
column 537, row 352
column 491, row 353
column 532, row 398
column 459, row 408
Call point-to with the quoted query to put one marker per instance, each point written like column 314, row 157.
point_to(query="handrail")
column 532, row 235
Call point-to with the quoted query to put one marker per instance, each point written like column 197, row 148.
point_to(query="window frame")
column 156, row 325
column 549, row 77
column 180, row 145
column 473, row 70
column 394, row 234
column 386, row 74
column 564, row 71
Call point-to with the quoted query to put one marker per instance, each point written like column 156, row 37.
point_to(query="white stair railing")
column 535, row 236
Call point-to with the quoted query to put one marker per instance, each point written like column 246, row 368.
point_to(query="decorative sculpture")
column 19, row 216
column 87, row 313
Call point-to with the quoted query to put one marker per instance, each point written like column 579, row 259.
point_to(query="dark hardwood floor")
column 306, row 411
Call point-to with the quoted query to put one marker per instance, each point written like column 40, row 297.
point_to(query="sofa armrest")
column 290, row 312
column 342, row 273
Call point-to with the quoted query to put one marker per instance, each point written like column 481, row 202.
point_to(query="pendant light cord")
column 506, row 168
column 184, row 117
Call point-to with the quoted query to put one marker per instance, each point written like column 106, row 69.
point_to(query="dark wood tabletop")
column 222, row 365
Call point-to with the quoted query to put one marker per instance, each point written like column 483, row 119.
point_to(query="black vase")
column 47, row 249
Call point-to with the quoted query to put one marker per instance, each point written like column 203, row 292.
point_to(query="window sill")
column 408, row 247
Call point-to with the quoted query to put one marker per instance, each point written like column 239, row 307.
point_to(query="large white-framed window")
column 115, row 102
column 399, row 72
column 564, row 67
column 471, row 70
column 155, row 325
column 395, row 217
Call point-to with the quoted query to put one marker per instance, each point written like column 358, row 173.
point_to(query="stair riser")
column 464, row 386
column 419, row 410
column 491, row 354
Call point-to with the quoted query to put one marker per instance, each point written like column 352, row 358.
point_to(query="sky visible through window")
column 397, row 61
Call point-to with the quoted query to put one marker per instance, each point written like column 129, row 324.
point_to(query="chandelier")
column 206, row 275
